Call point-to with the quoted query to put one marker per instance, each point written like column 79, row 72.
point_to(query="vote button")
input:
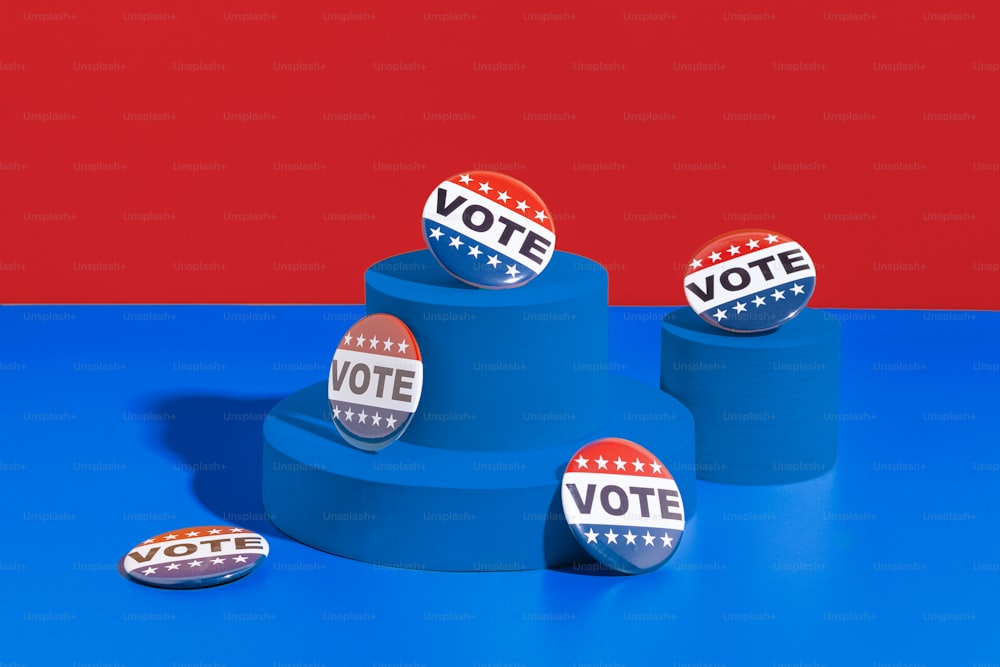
column 375, row 380
column 622, row 505
column 489, row 230
column 195, row 557
column 749, row 280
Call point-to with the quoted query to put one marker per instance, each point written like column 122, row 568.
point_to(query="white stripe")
column 491, row 236
column 225, row 549
column 757, row 280
column 633, row 515
column 347, row 360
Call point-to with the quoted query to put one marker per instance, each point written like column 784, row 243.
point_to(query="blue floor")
column 123, row 422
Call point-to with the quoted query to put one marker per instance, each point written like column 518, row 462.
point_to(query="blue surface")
column 433, row 508
column 764, row 404
column 124, row 422
column 503, row 369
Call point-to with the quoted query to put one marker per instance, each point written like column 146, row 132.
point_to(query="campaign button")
column 622, row 505
column 489, row 230
column 749, row 280
column 375, row 380
column 195, row 557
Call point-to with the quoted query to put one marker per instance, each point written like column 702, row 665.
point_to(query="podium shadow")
column 219, row 440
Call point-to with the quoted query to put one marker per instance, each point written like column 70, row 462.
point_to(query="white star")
column 387, row 345
column 656, row 467
column 778, row 294
column 390, row 422
column 347, row 339
column 591, row 536
column 374, row 342
column 475, row 251
column 362, row 416
column 639, row 465
column 240, row 559
column 195, row 563
column 581, row 462
column 376, row 419
column 753, row 244
column 336, row 412
column 619, row 464
column 218, row 561
column 602, row 463
column 349, row 414
column 522, row 205
column 401, row 347
column 236, row 530
column 540, row 216
column 493, row 261
column 465, row 178
column 734, row 250
column 612, row 536
column 741, row 307
column 512, row 270
column 798, row 289
column 148, row 541
column 649, row 538
column 436, row 233
column 149, row 570
column 455, row 242
column 719, row 314
column 629, row 537
column 174, row 566
column 759, row 300
column 360, row 341
column 771, row 239
column 715, row 256
column 214, row 531
column 503, row 196
column 695, row 264
column 485, row 187
column 667, row 540
column 171, row 536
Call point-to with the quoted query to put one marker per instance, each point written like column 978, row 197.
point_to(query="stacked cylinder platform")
column 515, row 381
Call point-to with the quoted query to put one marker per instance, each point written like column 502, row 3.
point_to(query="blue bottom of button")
column 447, row 509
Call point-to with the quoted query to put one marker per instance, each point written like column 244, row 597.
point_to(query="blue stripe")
column 464, row 266
column 771, row 313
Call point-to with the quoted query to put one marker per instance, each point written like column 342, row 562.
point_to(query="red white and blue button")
column 489, row 230
column 375, row 380
column 195, row 557
column 749, row 280
column 622, row 505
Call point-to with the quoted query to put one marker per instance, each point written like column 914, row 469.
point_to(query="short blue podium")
column 765, row 404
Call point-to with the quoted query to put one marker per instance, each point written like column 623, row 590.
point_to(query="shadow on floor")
column 219, row 442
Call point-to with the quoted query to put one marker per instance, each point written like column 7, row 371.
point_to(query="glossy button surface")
column 375, row 380
column 749, row 280
column 488, row 229
column 622, row 505
column 195, row 557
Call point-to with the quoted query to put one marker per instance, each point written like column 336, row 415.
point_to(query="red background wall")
column 252, row 152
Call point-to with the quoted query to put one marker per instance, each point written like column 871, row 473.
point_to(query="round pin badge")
column 195, row 557
column 375, row 380
column 749, row 280
column 489, row 230
column 622, row 505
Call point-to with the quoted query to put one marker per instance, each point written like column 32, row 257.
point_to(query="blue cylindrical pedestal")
column 439, row 508
column 503, row 369
column 765, row 405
